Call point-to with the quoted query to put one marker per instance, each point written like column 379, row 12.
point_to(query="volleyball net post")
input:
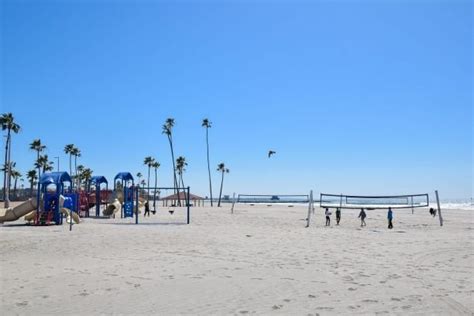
column 310, row 208
column 233, row 204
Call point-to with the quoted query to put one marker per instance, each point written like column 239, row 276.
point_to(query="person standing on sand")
column 338, row 215
column 362, row 217
column 390, row 217
column 147, row 209
column 328, row 217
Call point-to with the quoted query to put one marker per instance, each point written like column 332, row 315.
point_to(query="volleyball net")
column 272, row 198
column 374, row 202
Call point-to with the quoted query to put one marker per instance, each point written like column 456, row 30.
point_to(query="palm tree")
column 68, row 151
column 38, row 147
column 221, row 168
column 44, row 163
column 78, row 176
column 76, row 152
column 49, row 166
column 139, row 176
column 15, row 175
column 148, row 161
column 168, row 131
column 207, row 124
column 86, row 175
column 8, row 123
column 32, row 176
column 155, row 165
column 180, row 168
column 9, row 169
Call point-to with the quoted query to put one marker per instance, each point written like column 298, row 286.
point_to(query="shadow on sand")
column 147, row 224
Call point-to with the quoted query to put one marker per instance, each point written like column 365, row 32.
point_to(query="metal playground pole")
column 439, row 209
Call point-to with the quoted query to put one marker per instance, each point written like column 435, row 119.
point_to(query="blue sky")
column 358, row 97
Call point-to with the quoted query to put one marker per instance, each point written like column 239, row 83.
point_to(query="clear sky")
column 356, row 97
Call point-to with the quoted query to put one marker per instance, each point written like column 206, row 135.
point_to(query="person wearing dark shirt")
column 390, row 218
column 338, row 216
column 362, row 217
column 147, row 209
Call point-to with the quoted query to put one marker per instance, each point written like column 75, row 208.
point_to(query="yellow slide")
column 31, row 216
column 12, row 214
column 68, row 213
column 112, row 208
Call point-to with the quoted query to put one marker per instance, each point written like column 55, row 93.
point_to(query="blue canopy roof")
column 55, row 177
column 98, row 180
column 125, row 176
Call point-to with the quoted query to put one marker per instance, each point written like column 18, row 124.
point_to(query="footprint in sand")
column 370, row 301
column 325, row 308
column 275, row 307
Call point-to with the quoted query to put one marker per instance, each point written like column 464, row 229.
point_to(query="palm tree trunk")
column 208, row 164
column 184, row 191
column 6, row 196
column 70, row 164
column 14, row 188
column 176, row 184
column 220, row 193
column 5, row 171
column 148, row 184
column 154, row 190
column 39, row 168
column 78, row 181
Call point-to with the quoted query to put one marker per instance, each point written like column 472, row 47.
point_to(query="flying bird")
column 270, row 153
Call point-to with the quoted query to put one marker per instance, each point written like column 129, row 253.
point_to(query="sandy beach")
column 259, row 260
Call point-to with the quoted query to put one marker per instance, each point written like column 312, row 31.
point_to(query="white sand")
column 260, row 260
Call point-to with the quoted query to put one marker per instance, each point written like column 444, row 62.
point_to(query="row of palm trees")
column 220, row 167
column 180, row 163
column 14, row 174
column 82, row 174
column 42, row 163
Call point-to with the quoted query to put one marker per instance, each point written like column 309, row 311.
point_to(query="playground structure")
column 54, row 200
column 93, row 196
column 126, row 197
